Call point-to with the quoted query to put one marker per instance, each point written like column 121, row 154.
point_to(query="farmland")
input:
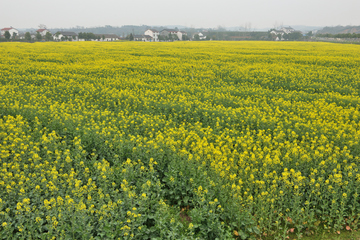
column 179, row 140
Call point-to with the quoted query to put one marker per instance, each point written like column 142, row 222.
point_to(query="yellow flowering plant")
column 114, row 140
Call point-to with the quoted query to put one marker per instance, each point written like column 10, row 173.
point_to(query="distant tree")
column 310, row 34
column 161, row 38
column 131, row 37
column 185, row 37
column 103, row 37
column 62, row 38
column 14, row 35
column 57, row 36
column 7, row 35
column 48, row 36
column 91, row 36
column 213, row 37
column 172, row 37
column 295, row 36
column 28, row 36
column 74, row 37
column 87, row 36
column 196, row 37
column 38, row 36
column 271, row 36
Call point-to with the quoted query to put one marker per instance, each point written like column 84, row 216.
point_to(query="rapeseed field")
column 183, row 140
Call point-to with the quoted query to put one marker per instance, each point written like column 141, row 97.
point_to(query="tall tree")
column 38, row 36
column 14, row 35
column 28, row 37
column 7, row 35
column 48, row 36
column 57, row 36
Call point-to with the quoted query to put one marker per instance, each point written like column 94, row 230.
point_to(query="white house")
column 287, row 30
column 180, row 34
column 61, row 36
column 152, row 33
column 43, row 31
column 201, row 36
column 107, row 37
column 11, row 30
column 278, row 34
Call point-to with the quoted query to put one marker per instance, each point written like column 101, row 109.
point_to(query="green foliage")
column 38, row 36
column 28, row 37
column 130, row 37
column 7, row 35
column 48, row 36
column 339, row 35
column 87, row 36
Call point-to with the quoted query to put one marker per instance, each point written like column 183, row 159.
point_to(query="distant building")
column 287, row 30
column 152, row 33
column 201, row 36
column 11, row 30
column 166, row 32
column 107, row 37
column 43, row 31
column 180, row 34
column 62, row 36
column 279, row 34
column 142, row 38
column 177, row 33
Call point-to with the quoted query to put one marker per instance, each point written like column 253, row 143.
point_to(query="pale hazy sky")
column 191, row 13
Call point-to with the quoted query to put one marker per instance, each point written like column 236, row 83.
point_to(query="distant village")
column 150, row 35
column 167, row 34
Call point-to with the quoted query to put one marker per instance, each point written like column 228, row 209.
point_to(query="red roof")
column 41, row 30
column 6, row 29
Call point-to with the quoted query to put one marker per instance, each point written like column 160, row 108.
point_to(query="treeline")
column 107, row 29
column 339, row 35
column 88, row 36
column 235, row 35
